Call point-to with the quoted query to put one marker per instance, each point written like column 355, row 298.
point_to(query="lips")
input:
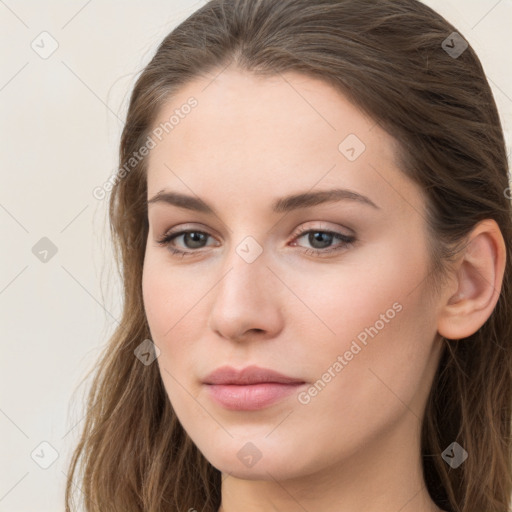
column 249, row 375
column 249, row 389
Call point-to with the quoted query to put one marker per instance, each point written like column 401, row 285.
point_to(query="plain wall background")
column 61, row 118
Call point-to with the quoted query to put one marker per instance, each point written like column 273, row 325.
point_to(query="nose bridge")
column 245, row 297
column 247, row 273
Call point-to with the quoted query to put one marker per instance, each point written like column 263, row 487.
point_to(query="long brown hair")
column 391, row 59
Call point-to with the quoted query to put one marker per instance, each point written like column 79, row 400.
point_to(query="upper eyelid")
column 299, row 230
column 173, row 233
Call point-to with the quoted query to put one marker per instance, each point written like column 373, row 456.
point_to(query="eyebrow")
column 281, row 205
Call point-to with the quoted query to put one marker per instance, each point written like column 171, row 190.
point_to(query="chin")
column 243, row 460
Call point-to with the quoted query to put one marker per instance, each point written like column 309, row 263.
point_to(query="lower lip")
column 250, row 397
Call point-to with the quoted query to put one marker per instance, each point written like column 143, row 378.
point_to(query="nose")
column 246, row 301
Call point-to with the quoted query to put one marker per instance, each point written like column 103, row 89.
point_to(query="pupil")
column 318, row 236
column 196, row 237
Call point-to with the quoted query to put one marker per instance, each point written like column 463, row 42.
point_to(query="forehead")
column 279, row 134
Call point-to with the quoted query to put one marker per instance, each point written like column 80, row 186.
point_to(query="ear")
column 479, row 276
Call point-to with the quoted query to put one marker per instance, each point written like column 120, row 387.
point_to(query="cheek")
column 175, row 303
column 169, row 302
column 343, row 301
column 158, row 300
column 381, row 356
column 169, row 295
column 375, row 320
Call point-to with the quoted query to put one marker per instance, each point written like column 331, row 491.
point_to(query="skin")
column 356, row 445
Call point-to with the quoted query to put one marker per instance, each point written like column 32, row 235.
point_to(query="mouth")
column 250, row 397
column 249, row 389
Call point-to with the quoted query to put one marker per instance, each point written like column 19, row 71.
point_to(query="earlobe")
column 479, row 279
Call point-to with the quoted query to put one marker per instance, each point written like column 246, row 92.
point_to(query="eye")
column 320, row 239
column 193, row 239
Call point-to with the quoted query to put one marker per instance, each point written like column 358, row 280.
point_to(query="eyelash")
column 346, row 241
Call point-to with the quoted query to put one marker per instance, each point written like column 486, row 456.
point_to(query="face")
column 330, row 293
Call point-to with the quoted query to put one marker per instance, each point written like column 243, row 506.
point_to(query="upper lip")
column 248, row 375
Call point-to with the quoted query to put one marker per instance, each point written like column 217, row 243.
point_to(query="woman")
column 312, row 222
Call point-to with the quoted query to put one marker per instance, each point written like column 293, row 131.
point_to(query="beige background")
column 61, row 118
